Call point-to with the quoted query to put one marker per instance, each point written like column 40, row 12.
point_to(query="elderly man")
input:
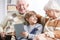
column 15, row 18
column 22, row 8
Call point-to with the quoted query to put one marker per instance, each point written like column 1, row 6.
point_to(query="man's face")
column 22, row 6
column 53, row 13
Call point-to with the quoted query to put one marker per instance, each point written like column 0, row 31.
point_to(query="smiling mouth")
column 21, row 13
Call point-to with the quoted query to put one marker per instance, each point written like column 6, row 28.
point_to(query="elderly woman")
column 53, row 24
column 52, row 27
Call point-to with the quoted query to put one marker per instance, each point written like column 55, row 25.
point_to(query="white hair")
column 26, row 1
column 53, row 5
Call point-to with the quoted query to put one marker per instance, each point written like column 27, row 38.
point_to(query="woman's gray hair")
column 52, row 5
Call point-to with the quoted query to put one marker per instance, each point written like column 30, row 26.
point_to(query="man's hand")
column 2, row 34
column 25, row 34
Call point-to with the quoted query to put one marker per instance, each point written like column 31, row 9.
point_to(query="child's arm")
column 34, row 32
column 37, row 32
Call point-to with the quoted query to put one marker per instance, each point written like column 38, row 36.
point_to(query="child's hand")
column 25, row 34
column 40, row 37
column 36, row 37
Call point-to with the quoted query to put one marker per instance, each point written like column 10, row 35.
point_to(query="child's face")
column 32, row 19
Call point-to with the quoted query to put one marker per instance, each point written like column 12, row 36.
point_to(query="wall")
column 2, row 10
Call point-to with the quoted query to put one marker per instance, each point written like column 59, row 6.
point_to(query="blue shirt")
column 33, row 30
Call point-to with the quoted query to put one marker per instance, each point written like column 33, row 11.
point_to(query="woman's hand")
column 57, row 34
column 50, row 34
column 25, row 34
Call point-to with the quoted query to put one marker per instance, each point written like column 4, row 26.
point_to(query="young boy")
column 32, row 28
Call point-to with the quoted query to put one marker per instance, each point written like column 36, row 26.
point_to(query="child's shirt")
column 33, row 30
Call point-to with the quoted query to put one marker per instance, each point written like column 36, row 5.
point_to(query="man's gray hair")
column 26, row 1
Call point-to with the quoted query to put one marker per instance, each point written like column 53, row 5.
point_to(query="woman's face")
column 53, row 13
column 57, row 13
column 32, row 19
